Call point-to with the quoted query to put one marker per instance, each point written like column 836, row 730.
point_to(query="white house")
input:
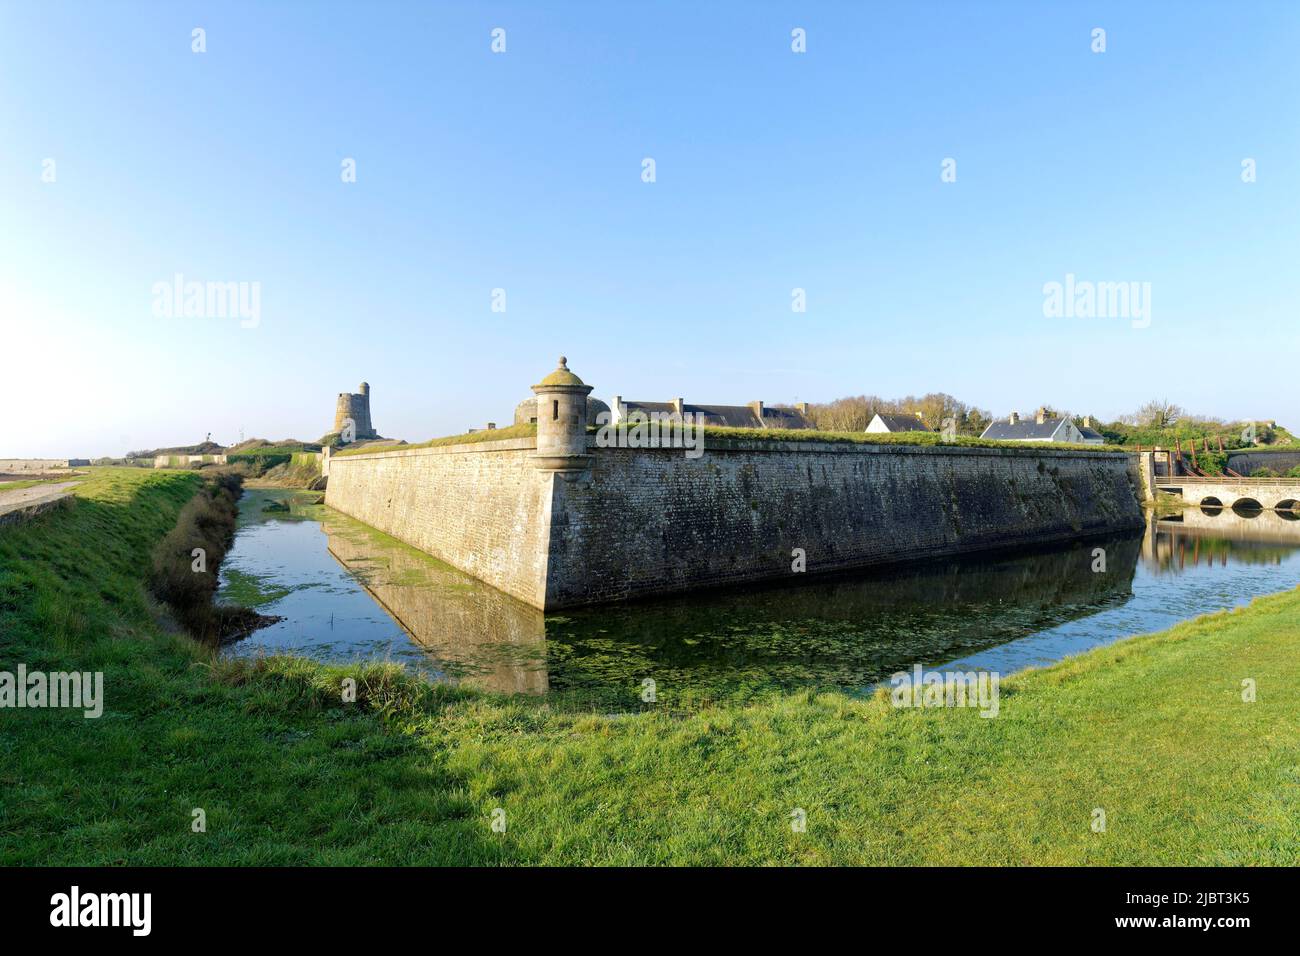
column 1044, row 428
column 896, row 423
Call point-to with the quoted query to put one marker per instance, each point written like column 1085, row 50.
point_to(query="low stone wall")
column 15, row 512
column 1247, row 463
column 651, row 521
column 14, row 466
column 187, row 461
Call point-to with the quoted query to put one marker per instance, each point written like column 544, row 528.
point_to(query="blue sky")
column 522, row 171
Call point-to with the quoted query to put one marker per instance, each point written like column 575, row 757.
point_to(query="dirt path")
column 19, row 498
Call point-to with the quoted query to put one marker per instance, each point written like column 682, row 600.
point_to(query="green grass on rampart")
column 765, row 434
column 470, row 438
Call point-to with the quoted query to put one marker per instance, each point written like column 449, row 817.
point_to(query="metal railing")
column 1225, row 480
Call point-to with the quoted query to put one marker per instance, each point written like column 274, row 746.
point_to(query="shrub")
column 207, row 521
column 1212, row 462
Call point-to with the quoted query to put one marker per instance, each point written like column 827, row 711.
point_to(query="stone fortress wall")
column 557, row 521
column 652, row 521
column 482, row 508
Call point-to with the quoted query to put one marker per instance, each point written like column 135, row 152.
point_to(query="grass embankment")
column 300, row 470
column 493, row 434
column 1153, row 731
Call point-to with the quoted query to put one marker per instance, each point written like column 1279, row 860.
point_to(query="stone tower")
column 355, row 406
column 562, row 421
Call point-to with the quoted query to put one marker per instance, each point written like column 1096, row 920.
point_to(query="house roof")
column 727, row 416
column 1091, row 433
column 1027, row 429
column 903, row 423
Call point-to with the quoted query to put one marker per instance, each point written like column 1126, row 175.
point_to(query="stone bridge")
column 1271, row 494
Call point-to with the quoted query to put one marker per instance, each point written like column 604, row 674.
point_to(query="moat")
column 346, row 592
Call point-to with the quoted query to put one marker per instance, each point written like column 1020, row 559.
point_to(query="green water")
column 347, row 592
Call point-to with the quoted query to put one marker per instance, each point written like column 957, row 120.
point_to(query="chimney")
column 920, row 417
column 802, row 407
column 1087, row 421
column 616, row 410
column 757, row 409
column 678, row 405
column 1041, row 415
column 1014, row 418
column 492, row 426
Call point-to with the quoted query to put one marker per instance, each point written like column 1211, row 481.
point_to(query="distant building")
column 1090, row 435
column 37, row 465
column 526, row 411
column 882, row 424
column 1041, row 427
column 753, row 415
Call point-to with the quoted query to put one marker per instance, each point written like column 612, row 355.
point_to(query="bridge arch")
column 1211, row 506
column 1247, row 508
column 1289, row 509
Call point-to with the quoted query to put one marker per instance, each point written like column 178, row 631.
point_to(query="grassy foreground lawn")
column 1152, row 730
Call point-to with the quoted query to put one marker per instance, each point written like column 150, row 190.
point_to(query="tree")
column 851, row 414
column 1158, row 413
column 854, row 414
column 975, row 422
column 933, row 408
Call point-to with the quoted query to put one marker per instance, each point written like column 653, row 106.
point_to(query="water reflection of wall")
column 839, row 632
column 492, row 640
column 1201, row 536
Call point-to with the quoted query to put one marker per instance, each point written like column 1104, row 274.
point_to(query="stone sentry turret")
column 562, row 421
column 356, row 407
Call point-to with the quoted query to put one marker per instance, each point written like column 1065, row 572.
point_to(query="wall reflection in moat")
column 477, row 634
column 1196, row 536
